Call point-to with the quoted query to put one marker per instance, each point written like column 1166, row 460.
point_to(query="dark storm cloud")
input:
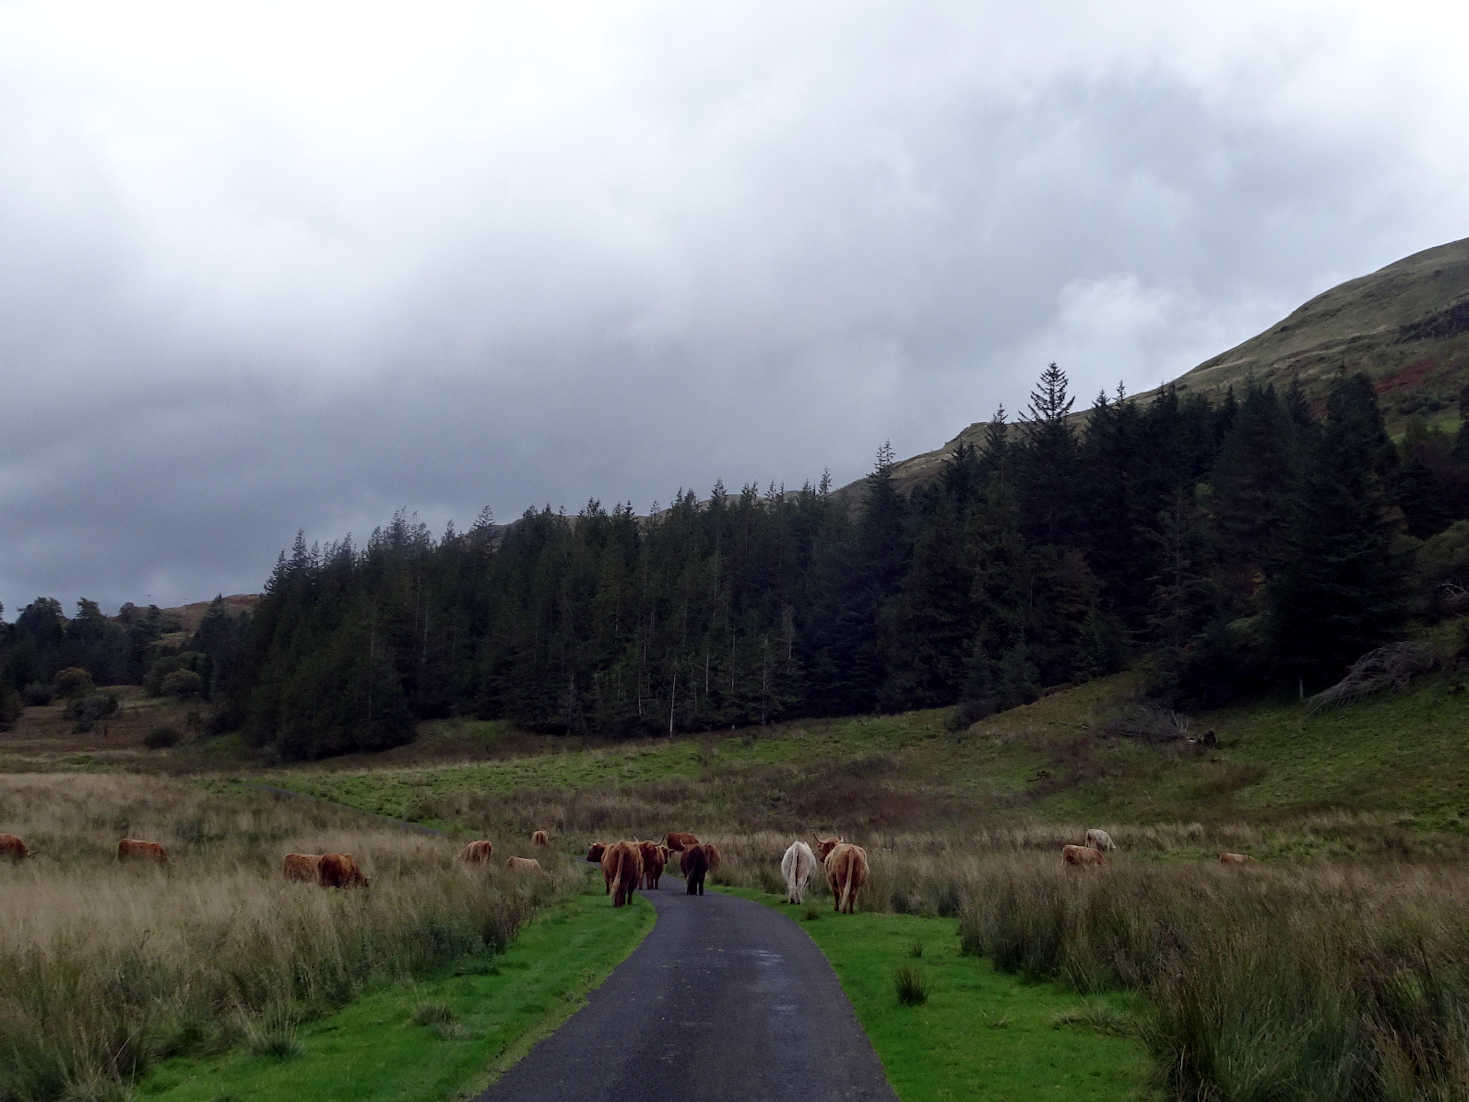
column 315, row 265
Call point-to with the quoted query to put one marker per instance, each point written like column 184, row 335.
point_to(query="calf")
column 135, row 849
column 1081, row 855
column 523, row 864
column 653, row 863
column 13, row 848
column 477, row 853
column 1234, row 858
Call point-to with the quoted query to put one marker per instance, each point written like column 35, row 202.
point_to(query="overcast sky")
column 277, row 266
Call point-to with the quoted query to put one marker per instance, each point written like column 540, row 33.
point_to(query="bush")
column 87, row 710
column 73, row 681
column 160, row 738
column 184, row 684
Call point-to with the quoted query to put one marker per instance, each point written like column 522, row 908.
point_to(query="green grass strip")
column 435, row 1039
column 980, row 1034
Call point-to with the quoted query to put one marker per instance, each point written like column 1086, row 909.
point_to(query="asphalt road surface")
column 725, row 999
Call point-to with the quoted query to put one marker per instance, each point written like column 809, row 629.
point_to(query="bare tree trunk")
column 672, row 696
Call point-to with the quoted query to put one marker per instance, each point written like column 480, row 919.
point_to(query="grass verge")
column 438, row 1038
column 978, row 1034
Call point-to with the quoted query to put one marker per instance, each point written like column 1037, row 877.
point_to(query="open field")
column 1332, row 968
column 112, row 967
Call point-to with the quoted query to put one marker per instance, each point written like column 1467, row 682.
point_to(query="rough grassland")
column 439, row 1038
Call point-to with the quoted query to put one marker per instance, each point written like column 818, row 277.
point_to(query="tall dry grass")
column 111, row 967
column 1328, row 982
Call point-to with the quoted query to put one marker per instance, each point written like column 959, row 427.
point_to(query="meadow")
column 1331, row 967
column 113, row 967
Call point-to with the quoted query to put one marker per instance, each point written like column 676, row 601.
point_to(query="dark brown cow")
column 477, row 853
column 13, row 848
column 1234, row 858
column 300, row 866
column 339, row 870
column 594, row 855
column 540, row 838
column 622, row 868
column 695, row 865
column 678, row 839
column 846, row 872
column 130, row 849
column 824, row 846
column 653, row 863
column 1081, row 856
column 523, row 864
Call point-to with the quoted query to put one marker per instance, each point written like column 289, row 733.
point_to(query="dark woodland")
column 1254, row 545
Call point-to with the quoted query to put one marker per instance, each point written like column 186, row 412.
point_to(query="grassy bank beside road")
column 977, row 1034
column 436, row 1038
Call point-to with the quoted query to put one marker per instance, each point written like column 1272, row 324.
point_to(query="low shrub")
column 911, row 986
column 160, row 738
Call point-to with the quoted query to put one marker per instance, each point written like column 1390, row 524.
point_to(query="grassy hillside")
column 1406, row 326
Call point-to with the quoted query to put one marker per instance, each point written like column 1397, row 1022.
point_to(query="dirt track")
column 725, row 999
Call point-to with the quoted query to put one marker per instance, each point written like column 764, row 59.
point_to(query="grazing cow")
column 622, row 868
column 1099, row 840
column 711, row 851
column 797, row 866
column 301, row 866
column 339, row 870
column 695, row 864
column 135, row 848
column 523, row 864
column 824, row 846
column 653, row 863
column 1234, row 858
column 540, row 838
column 1081, row 855
column 677, row 840
column 477, row 853
column 846, row 872
column 14, row 848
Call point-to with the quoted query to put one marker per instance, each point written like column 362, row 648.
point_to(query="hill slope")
column 1406, row 326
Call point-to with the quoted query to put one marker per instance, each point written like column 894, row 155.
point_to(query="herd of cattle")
column 628, row 866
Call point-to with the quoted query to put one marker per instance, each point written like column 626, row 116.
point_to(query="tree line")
column 1235, row 547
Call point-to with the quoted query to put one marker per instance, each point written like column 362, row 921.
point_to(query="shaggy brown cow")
column 695, row 864
column 1234, row 858
column 824, row 846
column 477, row 853
column 677, row 840
column 339, row 870
column 594, row 855
column 13, row 847
column 301, row 866
column 711, row 851
column 131, row 848
column 653, row 863
column 622, row 868
column 1081, row 855
column 523, row 864
column 846, row 872
column 540, row 838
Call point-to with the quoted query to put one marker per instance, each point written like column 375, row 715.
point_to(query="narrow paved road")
column 725, row 999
